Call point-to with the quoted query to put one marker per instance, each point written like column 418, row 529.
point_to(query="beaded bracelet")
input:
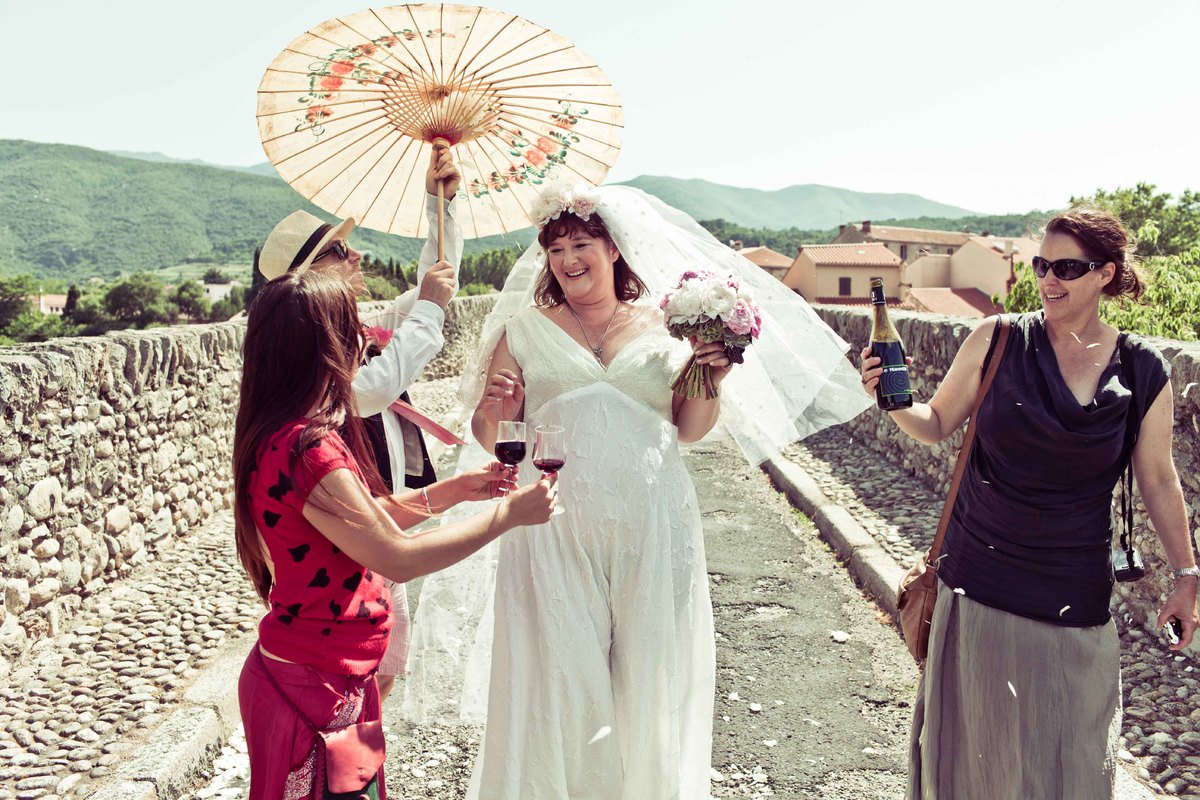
column 425, row 497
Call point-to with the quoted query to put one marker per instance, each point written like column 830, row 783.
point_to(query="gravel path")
column 1162, row 722
column 84, row 702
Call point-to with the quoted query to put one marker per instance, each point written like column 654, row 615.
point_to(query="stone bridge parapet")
column 116, row 446
column 933, row 341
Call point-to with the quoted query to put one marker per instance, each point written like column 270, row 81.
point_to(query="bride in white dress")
column 602, row 652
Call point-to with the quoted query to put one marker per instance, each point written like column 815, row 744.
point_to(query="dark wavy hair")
column 302, row 345
column 548, row 292
column 1102, row 236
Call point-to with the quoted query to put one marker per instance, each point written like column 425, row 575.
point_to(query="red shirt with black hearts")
column 327, row 610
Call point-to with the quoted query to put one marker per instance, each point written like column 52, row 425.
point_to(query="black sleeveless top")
column 1031, row 529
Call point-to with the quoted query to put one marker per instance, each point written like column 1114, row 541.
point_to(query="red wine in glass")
column 510, row 443
column 549, row 455
column 510, row 453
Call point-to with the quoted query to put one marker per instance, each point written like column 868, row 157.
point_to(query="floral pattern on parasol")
column 348, row 111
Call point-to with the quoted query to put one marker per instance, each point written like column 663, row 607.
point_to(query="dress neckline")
column 587, row 353
column 1051, row 361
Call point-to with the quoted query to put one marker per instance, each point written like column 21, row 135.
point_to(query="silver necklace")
column 598, row 350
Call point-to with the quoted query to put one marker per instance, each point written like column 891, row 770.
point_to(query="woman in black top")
column 1020, row 695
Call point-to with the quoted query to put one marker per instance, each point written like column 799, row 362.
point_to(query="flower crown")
column 579, row 199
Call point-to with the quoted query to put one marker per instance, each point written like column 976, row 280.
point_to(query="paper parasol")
column 348, row 113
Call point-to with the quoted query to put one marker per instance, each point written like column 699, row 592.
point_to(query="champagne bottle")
column 893, row 391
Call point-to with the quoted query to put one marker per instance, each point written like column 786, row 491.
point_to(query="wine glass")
column 549, row 455
column 510, row 443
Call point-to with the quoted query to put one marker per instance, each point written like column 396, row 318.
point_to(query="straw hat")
column 296, row 241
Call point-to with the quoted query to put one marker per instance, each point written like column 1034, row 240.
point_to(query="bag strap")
column 1132, row 428
column 1000, row 341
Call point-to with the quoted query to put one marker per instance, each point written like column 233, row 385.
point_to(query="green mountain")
column 807, row 206
column 264, row 168
column 72, row 213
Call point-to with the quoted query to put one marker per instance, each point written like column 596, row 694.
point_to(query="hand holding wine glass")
column 510, row 443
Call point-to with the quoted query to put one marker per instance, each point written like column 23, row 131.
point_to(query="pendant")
column 596, row 351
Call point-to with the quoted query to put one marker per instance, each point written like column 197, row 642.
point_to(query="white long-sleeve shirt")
column 417, row 338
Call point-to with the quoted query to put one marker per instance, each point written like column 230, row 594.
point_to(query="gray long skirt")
column 1010, row 708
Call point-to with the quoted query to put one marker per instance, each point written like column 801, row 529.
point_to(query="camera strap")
column 1132, row 426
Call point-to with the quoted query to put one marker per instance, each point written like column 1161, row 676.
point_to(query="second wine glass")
column 549, row 453
column 510, row 443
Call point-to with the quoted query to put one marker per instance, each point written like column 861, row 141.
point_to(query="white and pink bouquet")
column 711, row 308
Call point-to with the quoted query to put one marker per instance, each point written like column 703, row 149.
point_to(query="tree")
column 257, row 281
column 137, row 299
column 1170, row 306
column 91, row 315
column 15, row 294
column 230, row 305
column 213, row 275
column 189, row 297
column 73, row 295
column 1177, row 223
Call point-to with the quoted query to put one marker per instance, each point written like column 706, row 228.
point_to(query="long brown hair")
column 303, row 340
column 1102, row 236
column 547, row 291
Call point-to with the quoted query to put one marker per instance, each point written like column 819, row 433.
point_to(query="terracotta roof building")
column 907, row 243
column 984, row 263
column 842, row 272
column 774, row 262
column 50, row 303
column 953, row 302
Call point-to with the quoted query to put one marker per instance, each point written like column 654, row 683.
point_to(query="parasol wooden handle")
column 441, row 230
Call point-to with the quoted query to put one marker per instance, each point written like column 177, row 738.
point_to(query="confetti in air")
column 961, row 591
column 1012, row 689
column 1063, row 610
column 1187, row 389
column 603, row 733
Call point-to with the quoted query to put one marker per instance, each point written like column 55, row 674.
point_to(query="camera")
column 1127, row 565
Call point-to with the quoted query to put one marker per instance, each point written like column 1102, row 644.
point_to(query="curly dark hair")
column 548, row 292
column 1102, row 236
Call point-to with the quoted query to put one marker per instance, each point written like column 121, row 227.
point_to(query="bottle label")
column 894, row 381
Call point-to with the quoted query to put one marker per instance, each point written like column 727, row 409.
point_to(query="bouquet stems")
column 695, row 381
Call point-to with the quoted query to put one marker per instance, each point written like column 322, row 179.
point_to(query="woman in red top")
column 317, row 533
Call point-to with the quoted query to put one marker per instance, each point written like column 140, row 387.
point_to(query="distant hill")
column 806, row 206
column 264, row 168
column 71, row 212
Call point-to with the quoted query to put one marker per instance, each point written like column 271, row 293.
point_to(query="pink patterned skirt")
column 284, row 753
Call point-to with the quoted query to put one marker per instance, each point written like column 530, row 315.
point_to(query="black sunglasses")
column 342, row 251
column 1065, row 269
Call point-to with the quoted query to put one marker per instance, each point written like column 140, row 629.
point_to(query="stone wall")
column 933, row 342
column 110, row 447
column 113, row 447
column 464, row 322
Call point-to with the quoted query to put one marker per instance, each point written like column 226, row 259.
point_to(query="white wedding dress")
column 602, row 671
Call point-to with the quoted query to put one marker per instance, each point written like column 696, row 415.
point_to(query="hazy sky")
column 997, row 107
